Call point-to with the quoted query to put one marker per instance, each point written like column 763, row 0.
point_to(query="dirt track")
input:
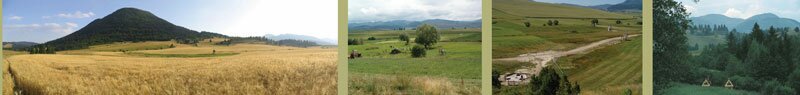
column 542, row 58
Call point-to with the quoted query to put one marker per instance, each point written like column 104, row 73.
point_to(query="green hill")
column 524, row 8
column 126, row 24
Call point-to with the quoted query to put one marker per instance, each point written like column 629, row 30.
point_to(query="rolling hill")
column 765, row 20
column 125, row 24
column 745, row 25
column 393, row 25
column 628, row 5
column 716, row 19
column 525, row 8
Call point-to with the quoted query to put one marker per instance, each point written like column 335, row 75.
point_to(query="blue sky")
column 45, row 20
column 584, row 2
column 744, row 8
column 412, row 10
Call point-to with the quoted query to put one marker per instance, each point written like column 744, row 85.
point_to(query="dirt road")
column 542, row 58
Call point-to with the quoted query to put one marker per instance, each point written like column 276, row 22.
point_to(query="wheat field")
column 253, row 69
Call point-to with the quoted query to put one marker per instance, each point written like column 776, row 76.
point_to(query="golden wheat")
column 257, row 69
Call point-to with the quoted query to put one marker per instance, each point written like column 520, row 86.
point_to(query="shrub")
column 395, row 51
column 403, row 37
column 418, row 51
column 619, row 22
column 555, row 22
column 776, row 88
column 527, row 24
column 549, row 23
column 372, row 38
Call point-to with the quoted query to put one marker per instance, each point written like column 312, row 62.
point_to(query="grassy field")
column 254, row 69
column 511, row 38
column 606, row 70
column 689, row 89
column 378, row 72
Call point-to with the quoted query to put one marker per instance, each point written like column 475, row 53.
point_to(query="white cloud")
column 76, row 14
column 64, row 28
column 15, row 18
column 259, row 19
column 731, row 12
column 385, row 10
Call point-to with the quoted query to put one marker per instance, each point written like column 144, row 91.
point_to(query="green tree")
column 404, row 37
column 796, row 29
column 669, row 51
column 427, row 35
column 595, row 21
column 549, row 23
column 619, row 22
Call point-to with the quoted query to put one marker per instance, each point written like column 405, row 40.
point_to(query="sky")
column 45, row 20
column 412, row 10
column 584, row 2
column 743, row 8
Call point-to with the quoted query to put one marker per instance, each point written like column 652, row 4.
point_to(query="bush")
column 555, row 22
column 418, row 51
column 746, row 83
column 372, row 38
column 527, row 24
column 395, row 51
column 776, row 88
column 549, row 23
column 403, row 37
column 619, row 22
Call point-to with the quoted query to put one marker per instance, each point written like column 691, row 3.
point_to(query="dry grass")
column 371, row 84
column 258, row 69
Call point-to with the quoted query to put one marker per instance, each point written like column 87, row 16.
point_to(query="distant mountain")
column 18, row 45
column 126, row 24
column 765, row 21
column 716, row 19
column 628, row 5
column 392, row 25
column 302, row 37
column 745, row 25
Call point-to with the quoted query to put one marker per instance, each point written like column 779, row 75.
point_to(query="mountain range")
column 745, row 25
column 321, row 41
column 395, row 24
column 627, row 5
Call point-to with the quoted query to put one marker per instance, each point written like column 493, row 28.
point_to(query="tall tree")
column 669, row 51
column 427, row 35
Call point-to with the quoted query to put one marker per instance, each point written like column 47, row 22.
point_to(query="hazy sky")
column 744, row 8
column 45, row 20
column 584, row 2
column 414, row 10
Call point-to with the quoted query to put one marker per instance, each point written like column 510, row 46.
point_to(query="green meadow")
column 379, row 72
column 609, row 69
